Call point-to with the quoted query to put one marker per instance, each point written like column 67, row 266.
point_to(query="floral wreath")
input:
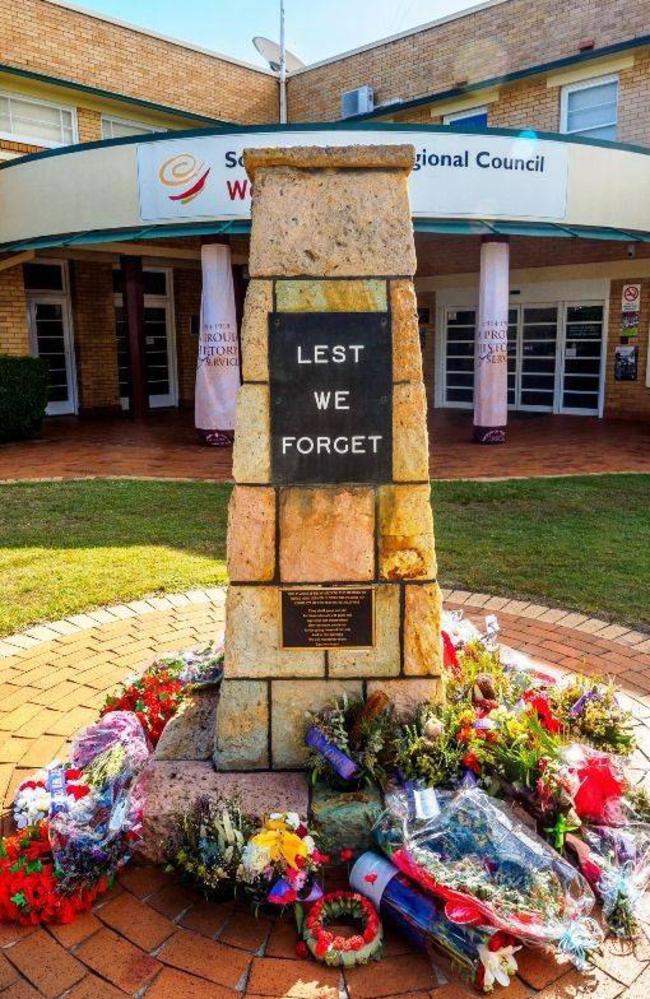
column 336, row 950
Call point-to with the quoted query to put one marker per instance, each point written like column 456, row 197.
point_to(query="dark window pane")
column 537, row 398
column 542, row 364
column 540, row 315
column 460, row 395
column 581, row 384
column 585, row 331
column 462, row 318
column 469, row 121
column 582, row 313
column 574, row 400
column 117, row 281
column 43, row 277
column 457, row 378
column 576, row 366
column 155, row 283
column 536, row 381
column 537, row 349
column 460, row 349
column 539, row 332
column 460, row 364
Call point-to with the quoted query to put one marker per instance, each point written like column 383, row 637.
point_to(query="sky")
column 315, row 29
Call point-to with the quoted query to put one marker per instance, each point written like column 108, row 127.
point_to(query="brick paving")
column 154, row 937
column 166, row 447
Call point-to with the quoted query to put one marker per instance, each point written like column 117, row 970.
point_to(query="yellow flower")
column 280, row 843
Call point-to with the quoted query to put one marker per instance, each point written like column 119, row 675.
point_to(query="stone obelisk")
column 331, row 552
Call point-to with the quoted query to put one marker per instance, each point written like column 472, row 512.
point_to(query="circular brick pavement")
column 154, row 937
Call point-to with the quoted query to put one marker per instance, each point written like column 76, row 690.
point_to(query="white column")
column 491, row 355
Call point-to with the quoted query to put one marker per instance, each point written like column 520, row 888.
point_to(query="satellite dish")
column 271, row 51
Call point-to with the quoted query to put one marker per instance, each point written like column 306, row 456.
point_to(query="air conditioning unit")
column 358, row 101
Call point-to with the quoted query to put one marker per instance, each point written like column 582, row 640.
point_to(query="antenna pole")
column 283, row 69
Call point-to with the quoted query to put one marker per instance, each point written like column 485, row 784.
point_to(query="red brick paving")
column 165, row 446
column 155, row 938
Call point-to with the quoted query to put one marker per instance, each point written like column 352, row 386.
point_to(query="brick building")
column 86, row 102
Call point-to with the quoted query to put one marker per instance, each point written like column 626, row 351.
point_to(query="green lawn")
column 581, row 543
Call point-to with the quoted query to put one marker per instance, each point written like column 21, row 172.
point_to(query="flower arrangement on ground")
column 280, row 862
column 335, row 948
column 350, row 741
column 209, row 844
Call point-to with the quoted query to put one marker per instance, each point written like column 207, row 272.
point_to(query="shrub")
column 23, row 396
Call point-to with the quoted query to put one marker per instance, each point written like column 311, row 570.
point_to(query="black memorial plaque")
column 331, row 397
column 328, row 618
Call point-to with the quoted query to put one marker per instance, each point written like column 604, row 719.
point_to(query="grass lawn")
column 581, row 543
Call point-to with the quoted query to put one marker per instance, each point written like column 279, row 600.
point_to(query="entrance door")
column 536, row 363
column 51, row 338
column 582, row 359
column 160, row 351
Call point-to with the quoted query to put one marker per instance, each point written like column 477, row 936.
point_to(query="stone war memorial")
column 331, row 555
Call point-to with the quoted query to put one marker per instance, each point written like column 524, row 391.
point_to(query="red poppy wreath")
column 327, row 945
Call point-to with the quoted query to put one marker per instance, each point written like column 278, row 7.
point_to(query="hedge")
column 23, row 396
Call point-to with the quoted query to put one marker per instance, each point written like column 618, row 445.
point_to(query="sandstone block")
column 407, row 355
column 290, row 701
column 422, row 644
column 327, row 534
column 384, row 659
column 331, row 296
column 406, row 548
column 255, row 331
column 241, row 738
column 251, row 534
column 172, row 788
column 253, row 637
column 345, row 818
column 407, row 694
column 251, row 458
column 410, row 437
column 312, row 219
column 189, row 735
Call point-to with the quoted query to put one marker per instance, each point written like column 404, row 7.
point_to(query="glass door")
column 538, row 342
column 158, row 339
column 459, row 357
column 582, row 359
column 51, row 339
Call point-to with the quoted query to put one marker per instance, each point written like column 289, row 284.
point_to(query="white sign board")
column 631, row 298
column 455, row 176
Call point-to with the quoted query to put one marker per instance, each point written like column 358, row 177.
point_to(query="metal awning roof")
column 452, row 227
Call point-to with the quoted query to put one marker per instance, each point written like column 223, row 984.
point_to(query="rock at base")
column 189, row 735
column 344, row 819
column 171, row 788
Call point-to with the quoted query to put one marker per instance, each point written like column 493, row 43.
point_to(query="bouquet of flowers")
column 489, row 871
column 154, row 698
column 351, row 742
column 197, row 668
column 591, row 713
column 209, row 844
column 54, row 787
column 280, row 862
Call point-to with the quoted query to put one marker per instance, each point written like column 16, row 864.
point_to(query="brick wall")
column 89, row 124
column 14, row 336
column 628, row 399
column 44, row 37
column 94, row 335
column 510, row 36
column 187, row 302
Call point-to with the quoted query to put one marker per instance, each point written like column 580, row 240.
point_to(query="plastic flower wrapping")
column 280, row 862
column 197, row 668
column 490, row 871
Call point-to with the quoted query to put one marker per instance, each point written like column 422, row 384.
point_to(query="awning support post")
column 491, row 351
column 133, row 292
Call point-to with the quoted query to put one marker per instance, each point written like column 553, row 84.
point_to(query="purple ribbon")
column 282, row 893
column 581, row 703
column 342, row 764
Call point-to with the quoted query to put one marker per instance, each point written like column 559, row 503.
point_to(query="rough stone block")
column 327, row 534
column 407, row 694
column 410, row 438
column 172, row 788
column 255, row 331
column 253, row 637
column 422, row 644
column 312, row 218
column 345, row 818
column 407, row 354
column 290, row 701
column 406, row 548
column 331, row 296
column 241, row 741
column 251, row 460
column 189, row 735
column 384, row 659
column 251, row 534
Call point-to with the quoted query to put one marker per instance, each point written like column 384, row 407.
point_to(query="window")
column 118, row 128
column 590, row 108
column 471, row 118
column 43, row 277
column 36, row 122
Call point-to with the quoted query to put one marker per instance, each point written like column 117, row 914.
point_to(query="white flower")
column 499, row 965
column 255, row 858
column 292, row 819
column 309, row 843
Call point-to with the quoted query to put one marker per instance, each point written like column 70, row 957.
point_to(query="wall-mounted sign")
column 630, row 309
column 455, row 174
column 626, row 363
column 328, row 618
column 331, row 391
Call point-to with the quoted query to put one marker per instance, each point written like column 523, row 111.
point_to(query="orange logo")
column 184, row 170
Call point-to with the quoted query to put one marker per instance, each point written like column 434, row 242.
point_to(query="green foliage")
column 590, row 711
column 427, row 748
column 208, row 844
column 368, row 741
column 23, row 396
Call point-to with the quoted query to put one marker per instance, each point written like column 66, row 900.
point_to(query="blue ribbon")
column 581, row 936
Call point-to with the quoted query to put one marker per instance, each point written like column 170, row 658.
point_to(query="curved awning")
column 477, row 182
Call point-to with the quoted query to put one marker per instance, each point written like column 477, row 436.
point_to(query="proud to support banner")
column 217, row 365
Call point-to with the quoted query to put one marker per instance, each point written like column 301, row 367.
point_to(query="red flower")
column 600, row 789
column 346, row 854
column 540, row 704
column 370, row 878
column 472, row 762
column 302, row 950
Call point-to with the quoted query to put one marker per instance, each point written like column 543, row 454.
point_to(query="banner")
column 217, row 363
column 455, row 175
column 491, row 360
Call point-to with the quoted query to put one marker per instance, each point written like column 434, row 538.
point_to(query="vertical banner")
column 217, row 364
column 491, row 355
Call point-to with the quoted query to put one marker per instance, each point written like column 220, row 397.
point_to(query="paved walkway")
column 156, row 938
column 166, row 446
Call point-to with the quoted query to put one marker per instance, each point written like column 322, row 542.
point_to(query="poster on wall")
column 217, row 362
column 630, row 309
column 626, row 363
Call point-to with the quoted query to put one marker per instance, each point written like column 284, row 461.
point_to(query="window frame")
column 147, row 129
column 33, row 140
column 447, row 119
column 588, row 84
